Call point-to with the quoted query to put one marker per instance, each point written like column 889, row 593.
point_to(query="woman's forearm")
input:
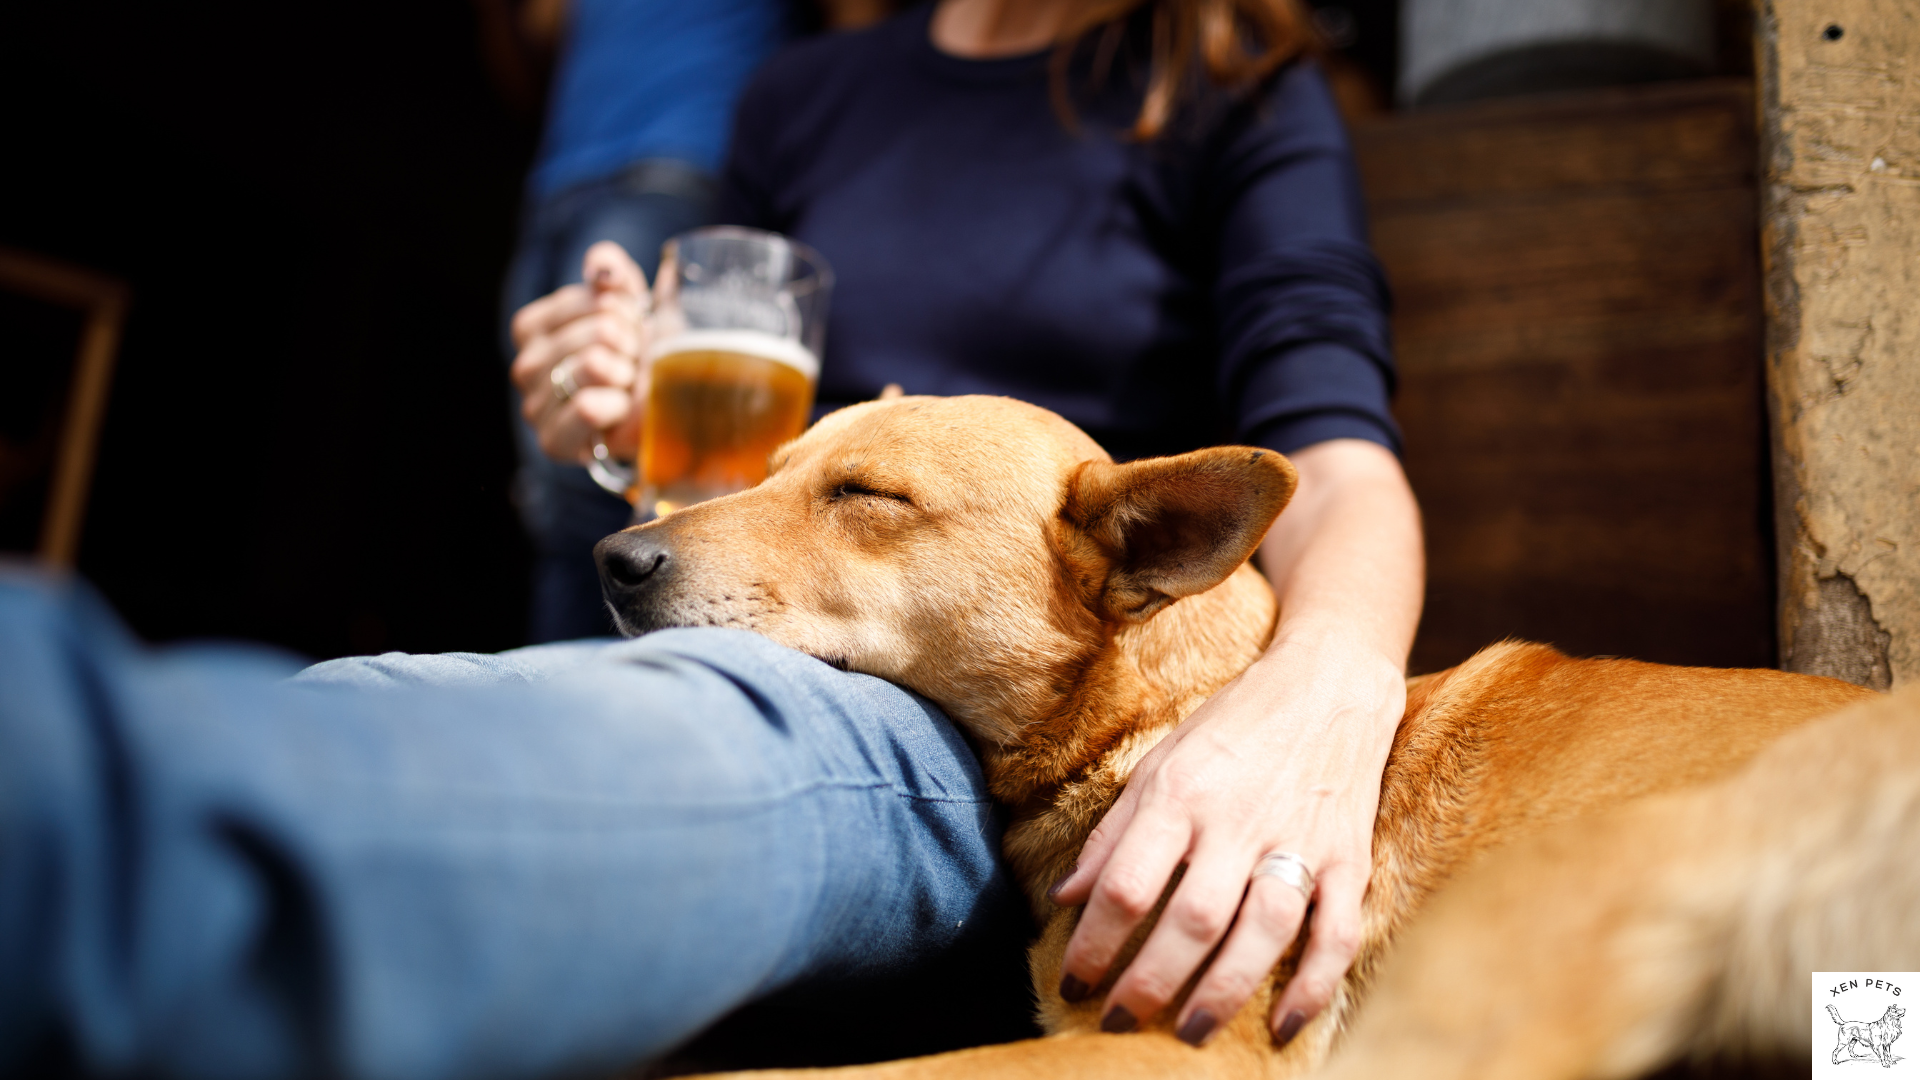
column 1345, row 558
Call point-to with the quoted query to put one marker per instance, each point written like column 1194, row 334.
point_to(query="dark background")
column 306, row 441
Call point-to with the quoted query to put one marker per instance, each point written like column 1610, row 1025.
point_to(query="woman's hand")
column 578, row 369
column 1286, row 758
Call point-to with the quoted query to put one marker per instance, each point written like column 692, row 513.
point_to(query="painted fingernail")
column 1197, row 1028
column 1053, row 890
column 1118, row 1021
column 1289, row 1027
column 1072, row 989
column 602, row 276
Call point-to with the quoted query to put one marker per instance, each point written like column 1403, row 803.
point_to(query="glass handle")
column 610, row 473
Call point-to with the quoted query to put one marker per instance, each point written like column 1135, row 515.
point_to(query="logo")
column 1857, row 1019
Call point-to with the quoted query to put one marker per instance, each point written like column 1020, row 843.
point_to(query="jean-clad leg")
column 550, row 861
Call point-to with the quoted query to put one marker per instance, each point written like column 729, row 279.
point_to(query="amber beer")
column 739, row 320
column 719, row 402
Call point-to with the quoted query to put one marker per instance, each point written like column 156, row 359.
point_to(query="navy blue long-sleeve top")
column 1211, row 285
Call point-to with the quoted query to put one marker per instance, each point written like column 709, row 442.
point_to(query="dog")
column 1068, row 612
column 1863, row 1040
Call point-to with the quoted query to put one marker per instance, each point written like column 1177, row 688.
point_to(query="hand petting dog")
column 1286, row 758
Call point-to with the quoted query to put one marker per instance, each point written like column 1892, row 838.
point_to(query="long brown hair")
column 1236, row 43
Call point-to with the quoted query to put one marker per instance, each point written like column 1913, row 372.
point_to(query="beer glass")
column 738, row 320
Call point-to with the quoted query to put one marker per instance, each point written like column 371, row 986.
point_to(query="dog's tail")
column 1835, row 1013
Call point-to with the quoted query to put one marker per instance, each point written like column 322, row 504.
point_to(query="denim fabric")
column 564, row 511
column 556, row 860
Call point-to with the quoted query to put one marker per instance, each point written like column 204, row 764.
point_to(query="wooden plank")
column 1841, row 127
column 104, row 300
column 1670, row 135
column 80, row 434
column 1576, row 271
column 1578, row 327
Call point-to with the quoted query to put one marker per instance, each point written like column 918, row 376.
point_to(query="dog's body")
column 1859, row 1039
column 988, row 555
column 1681, row 926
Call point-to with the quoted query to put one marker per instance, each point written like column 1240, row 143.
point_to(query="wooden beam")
column 104, row 302
column 1840, row 130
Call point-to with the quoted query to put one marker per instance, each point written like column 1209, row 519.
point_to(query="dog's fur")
column 1680, row 926
column 1068, row 612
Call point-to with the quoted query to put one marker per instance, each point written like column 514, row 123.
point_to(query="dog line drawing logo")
column 1860, row 1041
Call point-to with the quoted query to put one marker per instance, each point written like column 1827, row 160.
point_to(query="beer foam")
column 783, row 350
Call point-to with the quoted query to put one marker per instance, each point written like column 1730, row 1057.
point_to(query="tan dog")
column 1068, row 612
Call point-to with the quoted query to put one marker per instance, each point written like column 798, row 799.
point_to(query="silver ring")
column 562, row 379
column 1289, row 868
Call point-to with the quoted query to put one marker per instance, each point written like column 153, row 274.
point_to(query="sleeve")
column 1301, row 302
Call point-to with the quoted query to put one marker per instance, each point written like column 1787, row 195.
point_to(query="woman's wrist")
column 1369, row 675
column 1339, row 641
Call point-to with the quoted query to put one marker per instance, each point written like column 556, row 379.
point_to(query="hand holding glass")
column 739, row 318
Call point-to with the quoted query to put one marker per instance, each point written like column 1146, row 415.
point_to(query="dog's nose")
column 630, row 563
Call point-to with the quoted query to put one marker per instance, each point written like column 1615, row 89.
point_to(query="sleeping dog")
column 1068, row 612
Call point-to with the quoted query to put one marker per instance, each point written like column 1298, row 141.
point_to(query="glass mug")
column 739, row 316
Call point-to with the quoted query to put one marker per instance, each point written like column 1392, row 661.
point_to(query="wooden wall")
column 1579, row 331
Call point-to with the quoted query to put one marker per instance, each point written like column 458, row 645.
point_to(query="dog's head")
column 979, row 550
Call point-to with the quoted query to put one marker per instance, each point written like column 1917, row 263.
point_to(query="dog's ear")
column 1175, row 526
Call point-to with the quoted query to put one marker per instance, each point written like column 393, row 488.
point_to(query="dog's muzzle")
column 634, row 570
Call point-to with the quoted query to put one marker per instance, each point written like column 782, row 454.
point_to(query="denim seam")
column 768, row 799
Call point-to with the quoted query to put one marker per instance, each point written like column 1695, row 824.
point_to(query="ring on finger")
column 1289, row 868
column 564, row 386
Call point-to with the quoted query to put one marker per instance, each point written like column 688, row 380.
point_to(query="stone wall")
column 1840, row 134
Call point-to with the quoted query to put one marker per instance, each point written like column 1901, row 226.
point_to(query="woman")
column 1143, row 215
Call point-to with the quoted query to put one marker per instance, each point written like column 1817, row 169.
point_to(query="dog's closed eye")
column 854, row 489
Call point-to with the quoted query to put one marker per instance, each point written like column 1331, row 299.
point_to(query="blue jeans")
column 564, row 511
column 556, row 860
